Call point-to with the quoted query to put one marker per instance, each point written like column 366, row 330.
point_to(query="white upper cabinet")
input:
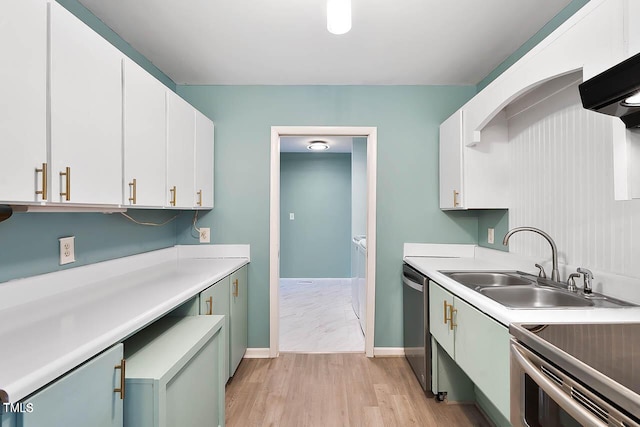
column 451, row 162
column 145, row 122
column 204, row 162
column 474, row 177
column 23, row 100
column 86, row 113
column 180, row 153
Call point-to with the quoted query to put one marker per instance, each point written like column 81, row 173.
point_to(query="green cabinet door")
column 482, row 351
column 239, row 318
column 215, row 300
column 83, row 397
column 440, row 307
column 8, row 420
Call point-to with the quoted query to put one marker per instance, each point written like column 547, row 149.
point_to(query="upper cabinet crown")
column 83, row 125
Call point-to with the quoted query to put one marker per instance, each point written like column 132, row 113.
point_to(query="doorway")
column 368, row 300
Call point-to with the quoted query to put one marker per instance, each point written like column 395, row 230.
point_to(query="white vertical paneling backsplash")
column 561, row 168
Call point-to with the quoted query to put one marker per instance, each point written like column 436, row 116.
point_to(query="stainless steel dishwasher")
column 417, row 339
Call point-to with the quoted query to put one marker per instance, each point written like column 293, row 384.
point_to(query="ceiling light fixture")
column 317, row 146
column 633, row 99
column 338, row 16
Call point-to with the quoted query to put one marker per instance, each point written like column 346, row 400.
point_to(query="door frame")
column 371, row 133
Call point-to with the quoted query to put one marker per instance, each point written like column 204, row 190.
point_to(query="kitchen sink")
column 535, row 297
column 489, row 278
column 515, row 289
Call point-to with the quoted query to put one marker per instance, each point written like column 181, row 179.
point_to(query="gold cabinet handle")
column 210, row 304
column 173, row 192
column 455, row 198
column 235, row 288
column 67, row 175
column 199, row 193
column 452, row 323
column 446, row 306
column 122, row 367
column 44, row 181
column 133, row 189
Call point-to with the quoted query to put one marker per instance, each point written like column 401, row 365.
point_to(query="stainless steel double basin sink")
column 515, row 289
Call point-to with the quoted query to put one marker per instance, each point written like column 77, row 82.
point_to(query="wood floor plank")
column 343, row 389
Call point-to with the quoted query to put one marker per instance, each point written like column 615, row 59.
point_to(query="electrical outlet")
column 490, row 236
column 291, row 216
column 205, row 235
column 67, row 250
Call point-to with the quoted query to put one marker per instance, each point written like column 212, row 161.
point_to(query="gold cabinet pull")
column 455, row 198
column 452, row 324
column 199, row 193
column 173, row 192
column 67, row 175
column 44, row 181
column 122, row 367
column 235, row 288
column 446, row 318
column 210, row 304
column 132, row 188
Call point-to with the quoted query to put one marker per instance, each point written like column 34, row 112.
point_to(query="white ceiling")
column 285, row 42
column 298, row 144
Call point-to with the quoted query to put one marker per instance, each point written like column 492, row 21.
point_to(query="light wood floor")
column 343, row 389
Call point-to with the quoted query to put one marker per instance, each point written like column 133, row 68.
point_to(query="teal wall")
column 547, row 29
column 101, row 28
column 407, row 118
column 34, row 236
column 316, row 188
column 498, row 219
column 30, row 240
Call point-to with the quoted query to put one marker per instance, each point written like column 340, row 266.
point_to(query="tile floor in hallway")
column 316, row 317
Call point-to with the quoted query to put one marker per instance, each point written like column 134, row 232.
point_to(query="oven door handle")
column 573, row 408
column 415, row 285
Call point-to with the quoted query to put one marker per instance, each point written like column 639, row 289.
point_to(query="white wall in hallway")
column 561, row 169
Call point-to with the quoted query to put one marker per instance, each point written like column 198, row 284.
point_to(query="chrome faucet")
column 588, row 277
column 555, row 274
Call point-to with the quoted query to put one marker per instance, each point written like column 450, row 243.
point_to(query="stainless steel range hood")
column 609, row 92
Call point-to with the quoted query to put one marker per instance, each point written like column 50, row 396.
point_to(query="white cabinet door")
column 440, row 306
column 204, row 162
column 86, row 113
column 451, row 194
column 23, row 98
column 180, row 153
column 145, row 121
column 83, row 397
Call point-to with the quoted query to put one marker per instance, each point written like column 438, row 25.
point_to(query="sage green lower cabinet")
column 478, row 344
column 215, row 300
column 175, row 374
column 83, row 397
column 8, row 420
column 239, row 312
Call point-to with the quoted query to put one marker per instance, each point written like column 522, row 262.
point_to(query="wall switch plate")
column 490, row 236
column 205, row 235
column 67, row 250
column 291, row 216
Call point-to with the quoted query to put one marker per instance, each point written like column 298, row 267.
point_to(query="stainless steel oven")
column 575, row 375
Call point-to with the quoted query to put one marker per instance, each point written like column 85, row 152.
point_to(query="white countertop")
column 43, row 338
column 432, row 265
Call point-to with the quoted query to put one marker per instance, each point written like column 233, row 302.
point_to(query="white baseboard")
column 257, row 353
column 388, row 351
